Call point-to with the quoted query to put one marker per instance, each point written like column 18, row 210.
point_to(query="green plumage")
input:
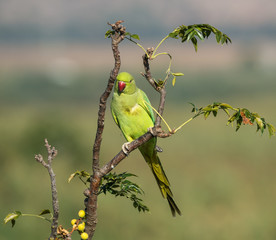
column 134, row 117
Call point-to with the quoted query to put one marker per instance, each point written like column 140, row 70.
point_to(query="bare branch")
column 161, row 106
column 116, row 39
column 92, row 220
column 159, row 89
column 147, row 73
column 52, row 152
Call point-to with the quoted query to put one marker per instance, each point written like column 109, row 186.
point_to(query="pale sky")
column 53, row 13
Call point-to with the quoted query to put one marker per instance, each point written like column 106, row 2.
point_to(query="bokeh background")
column 54, row 64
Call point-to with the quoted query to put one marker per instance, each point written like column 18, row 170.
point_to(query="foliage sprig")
column 185, row 33
column 119, row 185
column 13, row 216
column 198, row 31
column 239, row 116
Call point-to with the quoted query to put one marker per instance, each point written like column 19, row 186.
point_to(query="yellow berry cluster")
column 79, row 224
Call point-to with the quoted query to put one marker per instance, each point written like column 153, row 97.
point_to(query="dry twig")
column 52, row 152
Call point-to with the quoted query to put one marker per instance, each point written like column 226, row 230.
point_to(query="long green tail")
column 164, row 185
column 161, row 178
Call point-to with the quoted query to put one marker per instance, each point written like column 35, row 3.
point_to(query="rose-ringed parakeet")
column 132, row 113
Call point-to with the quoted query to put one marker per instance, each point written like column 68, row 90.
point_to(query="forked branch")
column 52, row 152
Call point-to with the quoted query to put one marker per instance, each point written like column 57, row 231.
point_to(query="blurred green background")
column 54, row 65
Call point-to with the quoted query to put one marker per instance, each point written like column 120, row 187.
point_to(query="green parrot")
column 130, row 111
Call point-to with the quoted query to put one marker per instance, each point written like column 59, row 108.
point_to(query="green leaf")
column 199, row 34
column 135, row 36
column 233, row 118
column 226, row 111
column 238, row 123
column 207, row 33
column 12, row 217
column 207, row 109
column 173, row 81
column 271, row 129
column 80, row 174
column 215, row 111
column 225, row 105
column 178, row 74
column 206, row 114
column 191, row 35
column 109, row 33
column 13, row 222
column 45, row 211
column 195, row 109
column 227, row 39
column 194, row 41
column 73, row 175
column 223, row 39
column 119, row 185
column 260, row 123
column 218, row 36
column 174, row 35
column 126, row 174
column 188, row 31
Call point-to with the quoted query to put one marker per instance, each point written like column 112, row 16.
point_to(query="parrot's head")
column 125, row 83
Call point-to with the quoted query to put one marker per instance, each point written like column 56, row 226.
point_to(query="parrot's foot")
column 125, row 148
column 158, row 149
column 151, row 131
column 155, row 131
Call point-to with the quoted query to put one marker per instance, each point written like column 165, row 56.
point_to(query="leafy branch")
column 117, row 185
column 12, row 217
column 185, row 33
column 240, row 116
column 83, row 176
column 198, row 31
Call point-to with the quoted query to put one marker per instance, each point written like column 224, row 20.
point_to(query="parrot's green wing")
column 114, row 117
column 144, row 102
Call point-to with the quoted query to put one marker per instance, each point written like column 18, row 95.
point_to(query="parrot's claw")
column 125, row 148
column 155, row 131
column 158, row 149
column 151, row 131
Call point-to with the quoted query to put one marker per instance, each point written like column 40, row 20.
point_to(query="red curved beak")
column 121, row 86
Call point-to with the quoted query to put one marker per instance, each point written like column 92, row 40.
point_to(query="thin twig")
column 52, row 152
column 159, row 116
column 161, row 90
column 147, row 73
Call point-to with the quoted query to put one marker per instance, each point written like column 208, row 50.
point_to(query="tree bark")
column 91, row 218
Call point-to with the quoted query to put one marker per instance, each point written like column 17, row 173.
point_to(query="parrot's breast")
column 132, row 118
column 133, row 110
column 134, row 121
